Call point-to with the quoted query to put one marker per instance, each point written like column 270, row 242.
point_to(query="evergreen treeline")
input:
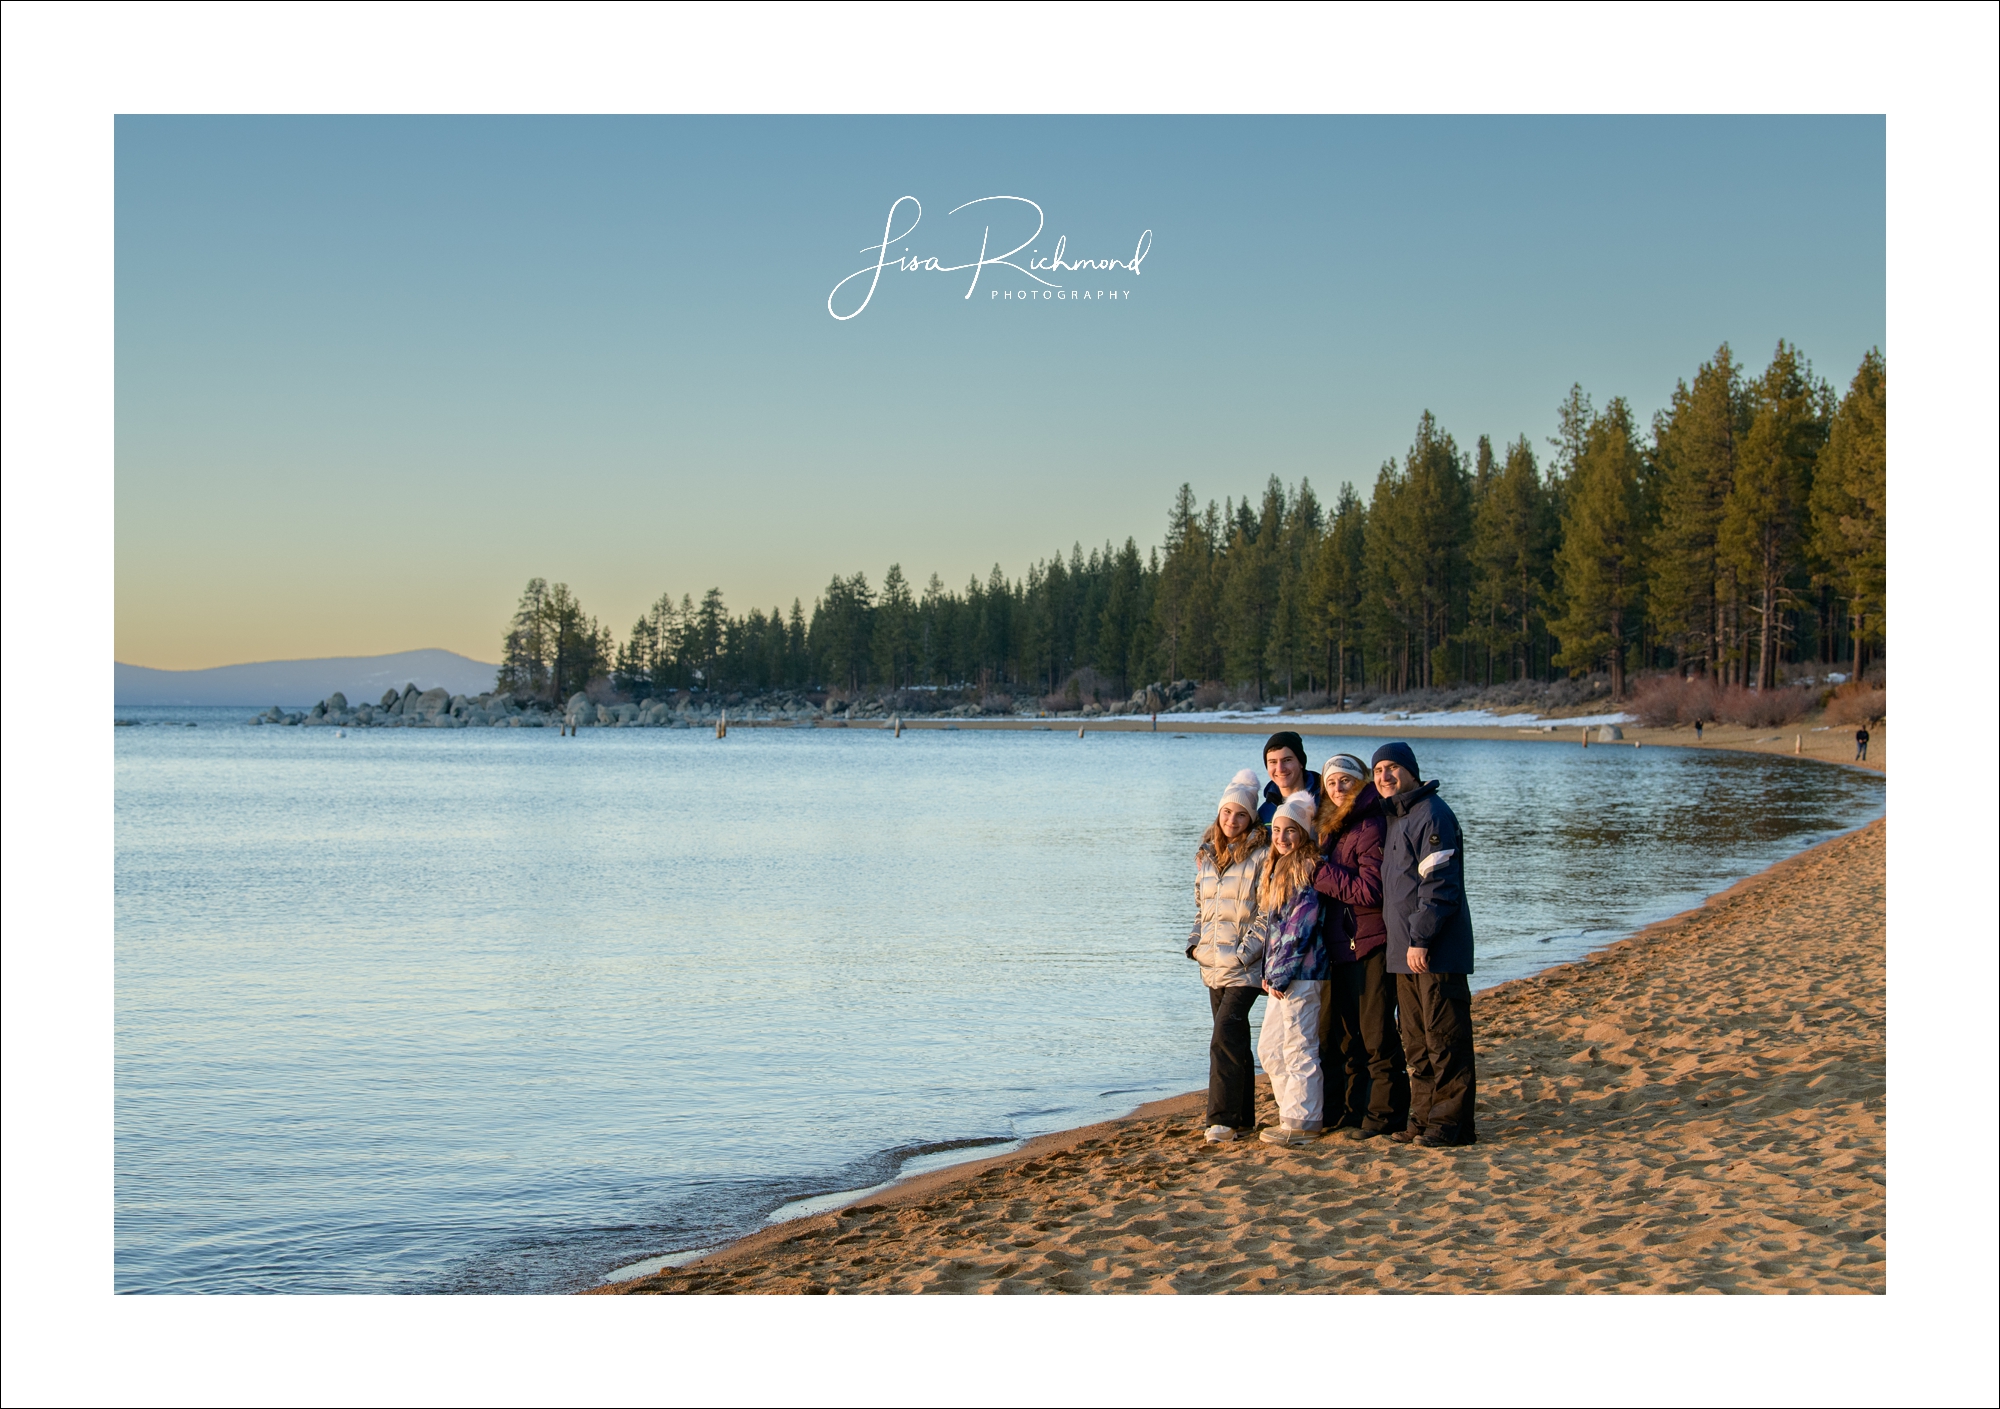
column 1744, row 530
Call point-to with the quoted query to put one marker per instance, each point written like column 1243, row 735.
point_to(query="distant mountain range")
column 297, row 683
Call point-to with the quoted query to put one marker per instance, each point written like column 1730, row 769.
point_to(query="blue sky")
column 373, row 373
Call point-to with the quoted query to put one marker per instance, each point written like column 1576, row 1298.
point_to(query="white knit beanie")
column 1241, row 792
column 1299, row 809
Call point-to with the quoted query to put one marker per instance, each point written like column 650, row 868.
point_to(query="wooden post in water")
column 1798, row 741
column 899, row 726
column 1079, row 731
column 722, row 725
column 1586, row 738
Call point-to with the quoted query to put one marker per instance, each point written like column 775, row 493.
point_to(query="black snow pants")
column 1232, row 1080
column 1436, row 1015
column 1361, row 1051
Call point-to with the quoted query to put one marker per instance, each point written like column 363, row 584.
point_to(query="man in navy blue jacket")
column 1430, row 948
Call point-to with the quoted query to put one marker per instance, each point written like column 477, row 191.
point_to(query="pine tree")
column 1850, row 501
column 1574, row 417
column 1696, row 443
column 524, row 650
column 839, row 635
column 895, row 625
column 1513, row 536
column 1182, row 606
column 1293, row 646
column 1419, row 527
column 1250, row 573
column 1339, row 575
column 1599, row 565
column 1119, row 634
column 579, row 648
column 1764, row 517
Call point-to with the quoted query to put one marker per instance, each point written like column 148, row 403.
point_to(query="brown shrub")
column 1669, row 699
column 1661, row 701
column 1210, row 694
column 1763, row 709
column 1857, row 703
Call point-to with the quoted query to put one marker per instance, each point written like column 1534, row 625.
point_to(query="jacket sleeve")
column 1441, row 894
column 1290, row 931
column 1361, row 883
column 1194, row 930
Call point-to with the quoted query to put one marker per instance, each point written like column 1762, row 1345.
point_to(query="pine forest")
column 1737, row 538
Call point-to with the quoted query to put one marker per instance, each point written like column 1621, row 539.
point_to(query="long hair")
column 1334, row 815
column 1284, row 875
column 1228, row 851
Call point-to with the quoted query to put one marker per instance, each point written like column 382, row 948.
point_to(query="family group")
column 1339, row 898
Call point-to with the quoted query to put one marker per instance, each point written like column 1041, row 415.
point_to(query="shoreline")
column 801, row 1255
column 1821, row 743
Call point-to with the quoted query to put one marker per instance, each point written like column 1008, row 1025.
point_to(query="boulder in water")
column 1609, row 733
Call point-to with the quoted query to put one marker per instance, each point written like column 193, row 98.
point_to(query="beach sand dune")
column 1698, row 1109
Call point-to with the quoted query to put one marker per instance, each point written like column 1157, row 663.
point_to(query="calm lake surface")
column 499, row 1011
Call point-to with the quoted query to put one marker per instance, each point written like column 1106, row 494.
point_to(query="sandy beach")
column 1699, row 1108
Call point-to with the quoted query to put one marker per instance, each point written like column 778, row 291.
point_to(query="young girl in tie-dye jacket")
column 1296, row 971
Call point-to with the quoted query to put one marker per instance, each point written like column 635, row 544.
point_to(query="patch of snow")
column 1435, row 719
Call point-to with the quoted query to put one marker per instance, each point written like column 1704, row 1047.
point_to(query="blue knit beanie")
column 1399, row 754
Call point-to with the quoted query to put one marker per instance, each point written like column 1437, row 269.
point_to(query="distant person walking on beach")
column 1861, row 744
column 1229, row 946
column 1285, row 761
column 1367, row 1087
column 1430, row 948
column 1295, row 974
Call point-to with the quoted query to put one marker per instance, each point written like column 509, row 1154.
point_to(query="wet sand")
column 1697, row 1109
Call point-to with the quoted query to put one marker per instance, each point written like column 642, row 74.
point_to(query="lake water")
column 501, row 1011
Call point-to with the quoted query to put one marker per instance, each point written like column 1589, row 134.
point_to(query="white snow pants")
column 1288, row 1048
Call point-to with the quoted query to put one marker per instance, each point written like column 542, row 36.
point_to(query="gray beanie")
column 1345, row 763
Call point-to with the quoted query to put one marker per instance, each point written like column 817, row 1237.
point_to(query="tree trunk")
column 1767, row 659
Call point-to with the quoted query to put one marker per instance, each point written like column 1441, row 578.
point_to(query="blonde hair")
column 1285, row 875
column 1229, row 850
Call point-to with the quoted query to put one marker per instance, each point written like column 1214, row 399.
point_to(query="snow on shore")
column 1442, row 718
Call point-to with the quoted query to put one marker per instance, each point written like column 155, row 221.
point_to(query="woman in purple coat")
column 1367, row 1084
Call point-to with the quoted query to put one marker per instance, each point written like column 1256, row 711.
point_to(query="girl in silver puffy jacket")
column 1227, row 942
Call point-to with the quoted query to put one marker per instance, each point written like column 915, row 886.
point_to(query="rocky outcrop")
column 411, row 708
column 1162, row 697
